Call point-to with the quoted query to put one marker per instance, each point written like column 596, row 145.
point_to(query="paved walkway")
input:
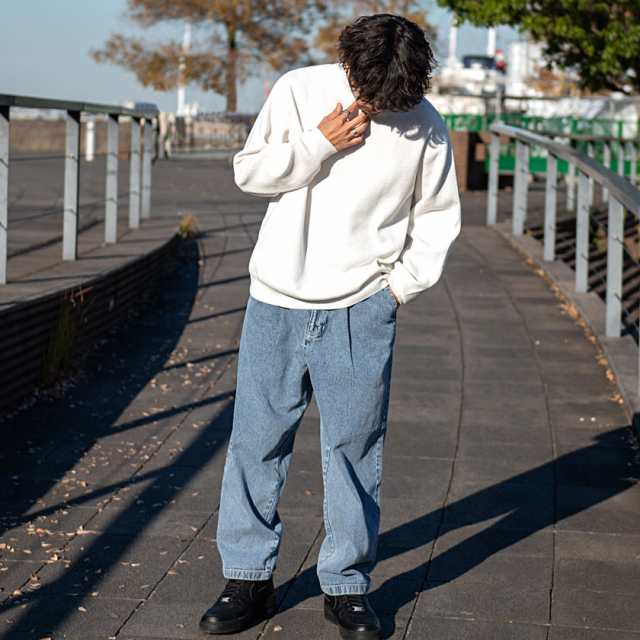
column 510, row 509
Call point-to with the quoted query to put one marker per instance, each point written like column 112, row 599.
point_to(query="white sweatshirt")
column 341, row 225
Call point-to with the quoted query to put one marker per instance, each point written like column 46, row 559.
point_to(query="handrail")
column 32, row 102
column 143, row 127
column 620, row 193
column 620, row 188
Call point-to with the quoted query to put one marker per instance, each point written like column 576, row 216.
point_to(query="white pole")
column 71, row 187
column 90, row 139
column 182, row 89
column 134, row 175
column 147, row 145
column 491, row 42
column 4, row 191
column 452, row 59
column 111, row 187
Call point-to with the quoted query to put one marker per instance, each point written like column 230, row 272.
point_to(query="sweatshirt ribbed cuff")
column 321, row 147
column 402, row 283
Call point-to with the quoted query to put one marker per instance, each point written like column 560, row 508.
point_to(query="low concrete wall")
column 38, row 335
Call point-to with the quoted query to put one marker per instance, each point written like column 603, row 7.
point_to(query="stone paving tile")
column 518, row 453
column 598, row 575
column 597, row 546
column 433, row 627
column 499, row 469
column 577, row 633
column 473, row 543
column 597, row 466
column 82, row 618
column 586, row 434
column 472, row 600
column 582, row 607
column 176, row 621
column 153, row 522
column 429, row 440
column 509, row 415
column 604, row 510
column 497, row 569
column 524, row 506
column 111, row 565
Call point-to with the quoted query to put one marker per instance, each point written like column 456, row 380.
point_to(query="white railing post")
column 591, row 154
column 521, row 187
column 90, row 139
column 606, row 161
column 582, row 234
column 632, row 151
column 571, row 187
column 494, row 169
column 71, row 187
column 134, row 175
column 111, row 192
column 620, row 147
column 146, row 167
column 550, row 206
column 615, row 239
column 4, row 191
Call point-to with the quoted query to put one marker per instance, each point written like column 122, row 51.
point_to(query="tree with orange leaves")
column 239, row 34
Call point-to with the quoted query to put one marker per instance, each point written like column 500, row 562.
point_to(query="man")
column 363, row 208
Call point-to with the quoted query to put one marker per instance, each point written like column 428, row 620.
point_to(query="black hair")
column 389, row 58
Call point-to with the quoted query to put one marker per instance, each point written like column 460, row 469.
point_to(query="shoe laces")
column 356, row 602
column 235, row 588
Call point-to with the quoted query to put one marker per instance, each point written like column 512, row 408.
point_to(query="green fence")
column 559, row 124
column 567, row 125
column 538, row 158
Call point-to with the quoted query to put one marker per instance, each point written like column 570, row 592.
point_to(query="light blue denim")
column 344, row 356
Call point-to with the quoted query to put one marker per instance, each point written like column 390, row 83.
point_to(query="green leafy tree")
column 599, row 39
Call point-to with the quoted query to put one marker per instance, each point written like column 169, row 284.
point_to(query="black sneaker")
column 353, row 615
column 241, row 604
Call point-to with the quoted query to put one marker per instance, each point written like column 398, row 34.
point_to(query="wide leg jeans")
column 344, row 356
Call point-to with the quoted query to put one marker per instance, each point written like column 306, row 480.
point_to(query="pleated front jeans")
column 344, row 356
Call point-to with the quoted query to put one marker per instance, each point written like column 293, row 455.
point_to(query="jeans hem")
column 247, row 574
column 345, row 589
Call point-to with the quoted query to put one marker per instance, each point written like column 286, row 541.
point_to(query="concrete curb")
column 622, row 353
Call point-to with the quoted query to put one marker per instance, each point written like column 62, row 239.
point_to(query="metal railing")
column 143, row 124
column 619, row 192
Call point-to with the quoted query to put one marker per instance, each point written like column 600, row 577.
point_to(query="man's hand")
column 344, row 129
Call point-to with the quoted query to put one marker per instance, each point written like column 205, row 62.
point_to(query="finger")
column 351, row 110
column 360, row 119
column 353, row 106
column 337, row 110
column 356, row 122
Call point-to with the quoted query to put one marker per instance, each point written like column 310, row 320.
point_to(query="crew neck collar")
column 345, row 82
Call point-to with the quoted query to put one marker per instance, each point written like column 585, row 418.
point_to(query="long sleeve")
column 279, row 155
column 435, row 220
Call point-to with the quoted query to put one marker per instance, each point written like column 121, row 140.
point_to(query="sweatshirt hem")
column 264, row 293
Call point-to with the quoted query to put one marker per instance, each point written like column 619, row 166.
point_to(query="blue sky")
column 44, row 47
